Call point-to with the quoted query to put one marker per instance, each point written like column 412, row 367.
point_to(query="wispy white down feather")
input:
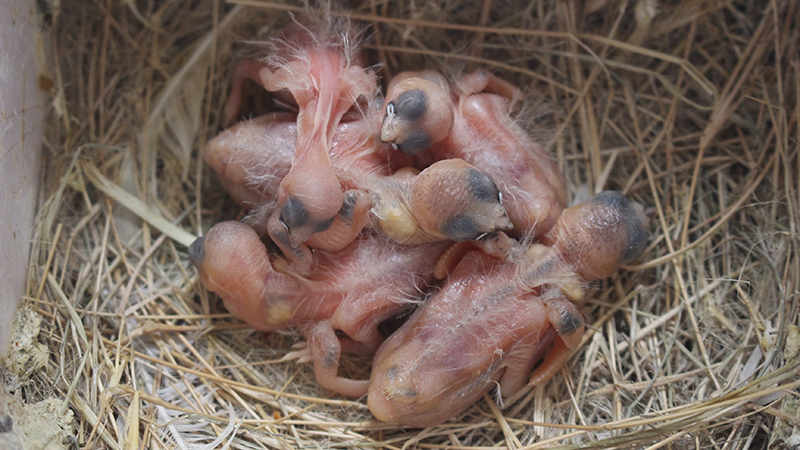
column 176, row 114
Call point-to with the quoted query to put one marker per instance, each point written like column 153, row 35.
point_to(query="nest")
column 688, row 107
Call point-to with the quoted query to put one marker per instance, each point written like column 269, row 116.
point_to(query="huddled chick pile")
column 365, row 202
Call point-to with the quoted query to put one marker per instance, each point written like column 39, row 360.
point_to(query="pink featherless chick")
column 338, row 308
column 494, row 320
column 319, row 66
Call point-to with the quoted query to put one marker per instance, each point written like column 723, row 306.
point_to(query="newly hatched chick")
column 318, row 65
column 351, row 292
column 480, row 130
column 494, row 320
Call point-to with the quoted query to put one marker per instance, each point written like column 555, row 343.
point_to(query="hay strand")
column 691, row 108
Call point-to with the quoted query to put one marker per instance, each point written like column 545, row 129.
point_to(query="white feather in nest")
column 176, row 122
column 173, row 122
column 177, row 111
column 181, row 430
column 127, row 222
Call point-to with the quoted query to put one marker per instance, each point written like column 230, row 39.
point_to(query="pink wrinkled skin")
column 494, row 320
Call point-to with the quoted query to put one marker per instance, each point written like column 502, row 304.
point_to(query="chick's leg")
column 529, row 349
column 483, row 81
column 244, row 71
column 568, row 323
column 326, row 351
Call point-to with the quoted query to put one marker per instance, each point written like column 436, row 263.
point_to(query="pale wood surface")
column 21, row 115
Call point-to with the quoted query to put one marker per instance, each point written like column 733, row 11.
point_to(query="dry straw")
column 689, row 107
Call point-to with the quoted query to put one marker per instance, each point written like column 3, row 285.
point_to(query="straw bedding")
column 688, row 107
